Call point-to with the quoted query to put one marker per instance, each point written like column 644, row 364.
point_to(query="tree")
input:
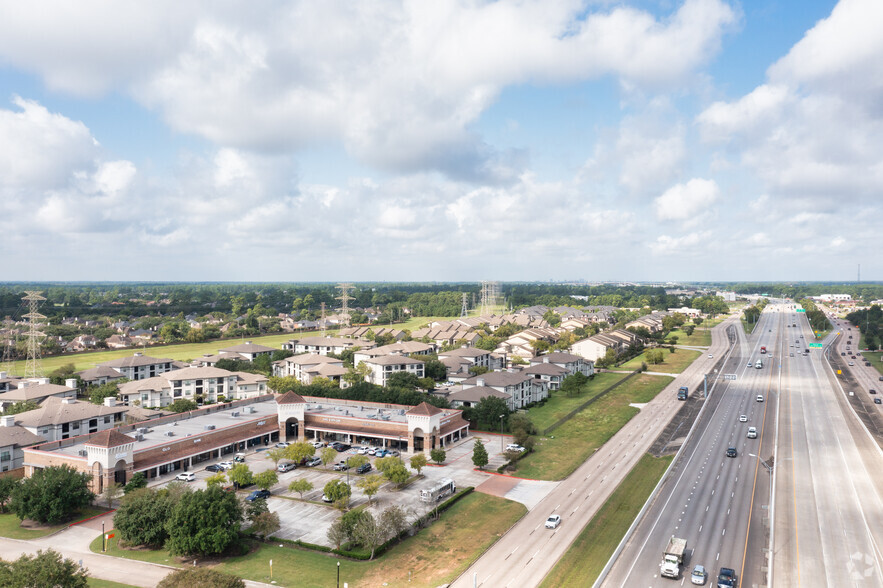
column 52, row 494
column 266, row 479
column 355, row 461
column 255, row 508
column 654, row 356
column 138, row 481
column 357, row 374
column 7, row 486
column 111, row 493
column 396, row 473
column 204, row 522
column 19, row 407
column 182, row 405
column 45, row 568
column 328, row 455
column 488, row 411
column 479, row 454
column 698, row 321
column 418, row 462
column 433, row 368
column 521, row 427
column 265, row 524
column 276, row 455
column 338, row 491
column 99, row 393
column 142, row 516
column 241, row 475
column 403, row 380
column 688, row 329
column 394, row 520
column 369, row 532
column 298, row 452
column 200, row 578
column 216, row 479
column 300, row 486
column 477, row 370
column 370, row 485
column 438, row 455
column 337, row 533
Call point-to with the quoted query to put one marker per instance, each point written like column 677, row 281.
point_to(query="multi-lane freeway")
column 810, row 451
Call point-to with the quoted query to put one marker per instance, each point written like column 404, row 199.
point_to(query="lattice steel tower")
column 488, row 297
column 345, row 298
column 33, row 369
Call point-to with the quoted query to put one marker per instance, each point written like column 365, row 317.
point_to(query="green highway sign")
column 801, row 310
column 819, row 345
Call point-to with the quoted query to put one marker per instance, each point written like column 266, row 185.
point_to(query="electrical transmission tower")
column 464, row 311
column 33, row 369
column 345, row 301
column 489, row 294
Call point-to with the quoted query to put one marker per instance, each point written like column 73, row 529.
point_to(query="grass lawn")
column 701, row 336
column 588, row 555
column 10, row 525
column 876, row 359
column 415, row 323
column 96, row 583
column 434, row 556
column 559, row 405
column 556, row 456
column 674, row 363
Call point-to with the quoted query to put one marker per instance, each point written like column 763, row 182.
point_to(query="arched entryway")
column 119, row 472
column 418, row 435
column 292, row 427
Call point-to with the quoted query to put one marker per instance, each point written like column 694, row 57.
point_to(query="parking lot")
column 309, row 519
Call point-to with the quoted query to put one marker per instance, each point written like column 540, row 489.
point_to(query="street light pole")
column 501, row 433
column 338, row 574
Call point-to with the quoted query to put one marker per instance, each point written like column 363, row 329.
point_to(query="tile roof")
column 424, row 409
column 291, row 397
column 56, row 411
column 248, row 347
column 34, row 392
column 20, row 436
column 476, row 393
column 134, row 361
column 109, row 438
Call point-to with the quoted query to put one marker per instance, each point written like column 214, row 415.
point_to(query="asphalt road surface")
column 524, row 555
column 718, row 504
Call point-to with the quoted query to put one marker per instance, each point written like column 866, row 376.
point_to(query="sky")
column 654, row 140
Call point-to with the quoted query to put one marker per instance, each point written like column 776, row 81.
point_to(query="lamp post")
column 501, row 433
column 338, row 574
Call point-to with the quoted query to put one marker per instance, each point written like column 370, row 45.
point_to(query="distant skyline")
column 647, row 140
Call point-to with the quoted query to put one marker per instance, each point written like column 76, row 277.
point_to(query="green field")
column 701, row 336
column 10, row 525
column 567, row 447
column 559, row 405
column 588, row 555
column 435, row 556
column 876, row 359
column 674, row 363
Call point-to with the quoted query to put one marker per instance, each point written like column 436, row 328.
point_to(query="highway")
column 829, row 521
column 825, row 469
column 524, row 555
column 711, row 500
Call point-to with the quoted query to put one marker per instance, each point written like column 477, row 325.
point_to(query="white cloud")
column 683, row 202
column 399, row 83
column 694, row 244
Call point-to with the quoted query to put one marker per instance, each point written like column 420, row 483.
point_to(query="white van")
column 752, row 432
column 758, row 364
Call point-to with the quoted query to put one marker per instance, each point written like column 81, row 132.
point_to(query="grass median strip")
column 569, row 445
column 673, row 363
column 583, row 562
column 435, row 556
column 10, row 525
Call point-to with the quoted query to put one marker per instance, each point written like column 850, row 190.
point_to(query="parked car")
column 699, row 575
column 226, row 465
column 553, row 521
column 258, row 494
column 313, row 462
column 363, row 450
column 282, row 444
column 215, row 467
column 185, row 477
column 364, row 468
column 318, row 444
column 340, row 466
column 286, row 467
column 731, row 452
column 393, row 452
column 381, row 453
column 515, row 447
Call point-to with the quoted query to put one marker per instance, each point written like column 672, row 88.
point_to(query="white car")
column 515, row 447
column 185, row 477
column 743, row 418
column 318, row 444
column 363, row 450
column 227, row 465
column 760, row 397
column 282, row 444
column 710, row 356
column 750, row 364
column 752, row 432
column 553, row 521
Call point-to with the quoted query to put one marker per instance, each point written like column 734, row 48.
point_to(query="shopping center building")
column 180, row 442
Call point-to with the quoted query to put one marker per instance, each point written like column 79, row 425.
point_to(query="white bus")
column 444, row 487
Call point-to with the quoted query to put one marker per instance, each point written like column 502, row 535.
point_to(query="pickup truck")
column 726, row 578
